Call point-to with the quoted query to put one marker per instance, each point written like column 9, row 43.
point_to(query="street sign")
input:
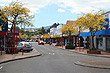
column 3, row 26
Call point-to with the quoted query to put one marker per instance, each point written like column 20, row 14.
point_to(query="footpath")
column 103, row 64
column 9, row 57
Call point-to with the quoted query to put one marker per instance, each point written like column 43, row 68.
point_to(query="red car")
column 40, row 43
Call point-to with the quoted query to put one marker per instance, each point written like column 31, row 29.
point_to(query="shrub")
column 70, row 47
column 58, row 44
column 93, row 49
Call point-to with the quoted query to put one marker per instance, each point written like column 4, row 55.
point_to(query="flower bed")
column 93, row 51
column 70, row 47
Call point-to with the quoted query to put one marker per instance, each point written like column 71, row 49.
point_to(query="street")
column 53, row 60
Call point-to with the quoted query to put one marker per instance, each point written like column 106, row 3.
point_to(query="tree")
column 23, row 35
column 42, row 31
column 68, row 29
column 94, row 21
column 54, row 25
column 16, row 12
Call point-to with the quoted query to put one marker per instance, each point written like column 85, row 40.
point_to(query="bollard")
column 22, row 51
column 1, row 50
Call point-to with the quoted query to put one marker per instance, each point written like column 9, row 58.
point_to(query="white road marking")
column 49, row 53
column 52, row 53
column 1, row 67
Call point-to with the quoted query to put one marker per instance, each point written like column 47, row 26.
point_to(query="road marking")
column 52, row 53
column 1, row 67
column 61, row 53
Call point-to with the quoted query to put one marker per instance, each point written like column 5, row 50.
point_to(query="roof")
column 70, row 22
column 106, row 12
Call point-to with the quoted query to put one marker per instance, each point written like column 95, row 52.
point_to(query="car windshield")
column 28, row 45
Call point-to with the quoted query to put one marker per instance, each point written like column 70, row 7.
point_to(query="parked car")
column 26, row 46
column 31, row 40
column 26, row 40
column 41, row 43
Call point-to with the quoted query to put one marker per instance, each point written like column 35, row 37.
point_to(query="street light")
column 79, row 39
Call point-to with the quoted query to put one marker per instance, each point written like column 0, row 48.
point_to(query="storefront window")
column 100, row 44
column 108, row 43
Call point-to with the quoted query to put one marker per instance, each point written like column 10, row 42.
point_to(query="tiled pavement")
column 9, row 57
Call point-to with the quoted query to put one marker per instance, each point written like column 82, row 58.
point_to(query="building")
column 101, row 39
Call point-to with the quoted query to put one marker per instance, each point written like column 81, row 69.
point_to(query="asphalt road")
column 53, row 60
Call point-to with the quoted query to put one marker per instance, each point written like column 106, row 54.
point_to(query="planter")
column 70, row 47
column 93, row 51
column 57, row 45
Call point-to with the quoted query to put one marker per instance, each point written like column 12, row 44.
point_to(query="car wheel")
column 21, row 50
column 28, row 51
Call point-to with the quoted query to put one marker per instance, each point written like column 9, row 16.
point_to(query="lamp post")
column 62, row 39
column 14, row 39
column 62, row 36
column 79, row 39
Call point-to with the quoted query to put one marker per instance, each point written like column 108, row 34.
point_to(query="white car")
column 26, row 46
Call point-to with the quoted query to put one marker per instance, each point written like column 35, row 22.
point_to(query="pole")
column 4, row 42
column 79, row 40
column 16, row 41
column 0, row 46
column 62, row 39
column 1, row 50
column 14, row 37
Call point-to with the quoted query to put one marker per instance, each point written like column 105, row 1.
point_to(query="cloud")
column 2, row 5
column 6, row 0
column 61, row 10
column 35, row 5
column 74, row 6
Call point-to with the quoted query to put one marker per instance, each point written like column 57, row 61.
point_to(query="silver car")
column 26, row 46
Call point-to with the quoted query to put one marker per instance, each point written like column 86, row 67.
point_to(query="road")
column 53, row 60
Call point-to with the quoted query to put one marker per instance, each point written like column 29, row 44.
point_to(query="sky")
column 48, row 12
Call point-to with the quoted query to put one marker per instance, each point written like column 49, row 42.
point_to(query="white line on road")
column 52, row 53
column 1, row 67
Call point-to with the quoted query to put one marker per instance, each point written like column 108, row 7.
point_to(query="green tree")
column 92, row 21
column 16, row 12
column 69, row 29
column 42, row 31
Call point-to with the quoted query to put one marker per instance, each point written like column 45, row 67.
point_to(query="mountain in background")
column 46, row 27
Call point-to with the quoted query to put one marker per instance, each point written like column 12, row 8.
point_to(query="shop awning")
column 103, row 32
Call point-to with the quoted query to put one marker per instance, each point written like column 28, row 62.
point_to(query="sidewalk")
column 103, row 64
column 9, row 57
column 103, row 54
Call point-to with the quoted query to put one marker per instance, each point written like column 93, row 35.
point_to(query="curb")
column 82, row 53
column 20, row 58
column 90, row 54
column 91, row 66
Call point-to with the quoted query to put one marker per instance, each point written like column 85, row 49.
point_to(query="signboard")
column 3, row 26
column 13, row 34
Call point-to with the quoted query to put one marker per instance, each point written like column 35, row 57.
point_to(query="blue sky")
column 49, row 15
column 48, row 12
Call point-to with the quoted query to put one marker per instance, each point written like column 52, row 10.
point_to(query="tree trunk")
column 93, row 39
column 70, row 42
